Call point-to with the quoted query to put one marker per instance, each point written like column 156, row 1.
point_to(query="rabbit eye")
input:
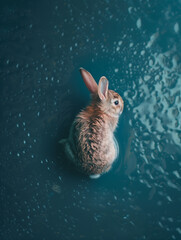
column 116, row 102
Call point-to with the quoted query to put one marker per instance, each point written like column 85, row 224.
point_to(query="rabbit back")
column 93, row 144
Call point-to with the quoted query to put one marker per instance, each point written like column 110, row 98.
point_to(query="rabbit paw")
column 94, row 176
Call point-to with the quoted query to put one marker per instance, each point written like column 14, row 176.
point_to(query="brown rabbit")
column 91, row 145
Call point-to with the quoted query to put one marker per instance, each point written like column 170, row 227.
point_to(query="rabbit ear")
column 89, row 80
column 103, row 88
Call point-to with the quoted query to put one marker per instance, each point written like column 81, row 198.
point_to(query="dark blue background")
column 136, row 45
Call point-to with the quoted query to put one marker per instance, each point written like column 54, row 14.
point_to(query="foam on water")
column 162, row 97
column 156, row 104
column 152, row 39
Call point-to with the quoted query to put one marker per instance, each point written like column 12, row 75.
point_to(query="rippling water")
column 137, row 46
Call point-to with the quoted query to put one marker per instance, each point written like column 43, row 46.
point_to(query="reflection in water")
column 130, row 157
column 136, row 44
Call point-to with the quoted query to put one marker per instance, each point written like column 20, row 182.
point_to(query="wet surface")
column 137, row 46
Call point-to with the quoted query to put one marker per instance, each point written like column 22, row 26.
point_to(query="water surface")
column 136, row 45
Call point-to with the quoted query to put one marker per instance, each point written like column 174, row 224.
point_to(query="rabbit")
column 91, row 144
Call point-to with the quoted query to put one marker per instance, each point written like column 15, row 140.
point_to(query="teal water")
column 137, row 46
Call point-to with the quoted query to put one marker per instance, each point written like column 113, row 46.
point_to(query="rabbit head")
column 107, row 100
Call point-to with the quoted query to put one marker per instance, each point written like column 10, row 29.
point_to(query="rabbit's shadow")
column 63, row 163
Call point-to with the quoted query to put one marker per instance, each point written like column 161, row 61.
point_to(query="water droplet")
column 138, row 23
column 176, row 27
